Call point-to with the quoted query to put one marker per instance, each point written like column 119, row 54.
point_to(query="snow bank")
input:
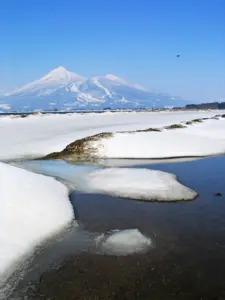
column 123, row 242
column 197, row 140
column 36, row 136
column 141, row 184
column 32, row 208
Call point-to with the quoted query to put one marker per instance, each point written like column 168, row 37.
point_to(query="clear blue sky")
column 135, row 39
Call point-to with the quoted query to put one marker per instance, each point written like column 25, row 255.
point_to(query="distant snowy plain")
column 36, row 136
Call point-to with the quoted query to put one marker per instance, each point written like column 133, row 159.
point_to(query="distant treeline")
column 214, row 105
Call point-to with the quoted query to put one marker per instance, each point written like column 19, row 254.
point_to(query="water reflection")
column 188, row 259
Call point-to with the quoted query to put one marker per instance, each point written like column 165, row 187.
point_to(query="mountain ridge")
column 62, row 89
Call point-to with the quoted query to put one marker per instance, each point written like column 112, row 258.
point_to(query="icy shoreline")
column 33, row 208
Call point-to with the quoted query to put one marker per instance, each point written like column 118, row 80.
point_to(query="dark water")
column 188, row 258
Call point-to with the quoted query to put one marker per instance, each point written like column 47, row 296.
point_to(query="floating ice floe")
column 141, row 184
column 32, row 208
column 67, row 173
column 123, row 242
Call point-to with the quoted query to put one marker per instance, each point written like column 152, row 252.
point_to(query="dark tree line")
column 213, row 105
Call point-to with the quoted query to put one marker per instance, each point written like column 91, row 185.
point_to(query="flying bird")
column 178, row 55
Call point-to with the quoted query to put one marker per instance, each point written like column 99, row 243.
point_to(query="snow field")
column 36, row 136
column 202, row 139
column 33, row 207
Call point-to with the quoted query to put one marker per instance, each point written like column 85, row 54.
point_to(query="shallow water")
column 186, row 262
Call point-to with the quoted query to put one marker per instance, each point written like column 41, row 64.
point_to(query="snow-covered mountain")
column 62, row 89
column 57, row 78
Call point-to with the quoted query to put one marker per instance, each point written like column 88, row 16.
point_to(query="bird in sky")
column 178, row 55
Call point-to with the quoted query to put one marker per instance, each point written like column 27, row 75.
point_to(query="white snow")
column 74, row 88
column 116, row 79
column 139, row 87
column 88, row 98
column 36, row 136
column 197, row 140
column 96, row 82
column 50, row 82
column 141, row 184
column 5, row 106
column 60, row 74
column 120, row 81
column 123, row 242
column 32, row 208
column 123, row 100
column 46, row 91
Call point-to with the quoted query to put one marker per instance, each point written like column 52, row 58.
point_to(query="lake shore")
column 185, row 262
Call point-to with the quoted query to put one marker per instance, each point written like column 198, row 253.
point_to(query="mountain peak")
column 54, row 79
column 61, row 74
column 122, row 81
column 60, row 68
column 115, row 78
